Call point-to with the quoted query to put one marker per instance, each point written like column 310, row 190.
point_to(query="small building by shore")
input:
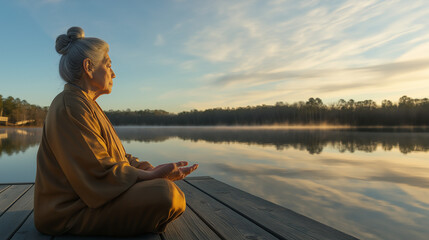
column 3, row 120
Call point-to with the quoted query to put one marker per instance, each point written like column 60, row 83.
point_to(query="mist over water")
column 313, row 140
column 365, row 182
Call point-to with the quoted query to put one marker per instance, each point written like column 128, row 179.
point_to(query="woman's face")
column 102, row 76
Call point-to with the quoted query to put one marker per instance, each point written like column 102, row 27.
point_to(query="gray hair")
column 75, row 47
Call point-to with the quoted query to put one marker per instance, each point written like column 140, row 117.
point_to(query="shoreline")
column 21, row 127
column 274, row 126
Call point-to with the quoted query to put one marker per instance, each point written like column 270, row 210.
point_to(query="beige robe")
column 85, row 182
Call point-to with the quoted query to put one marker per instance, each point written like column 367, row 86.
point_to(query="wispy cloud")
column 378, row 72
column 316, row 47
column 302, row 84
column 259, row 52
column 159, row 40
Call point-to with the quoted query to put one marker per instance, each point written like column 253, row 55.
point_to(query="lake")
column 370, row 183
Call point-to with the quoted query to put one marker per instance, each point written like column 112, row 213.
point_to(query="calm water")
column 370, row 184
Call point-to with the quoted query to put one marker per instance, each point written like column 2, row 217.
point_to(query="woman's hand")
column 145, row 166
column 136, row 163
column 174, row 171
column 171, row 171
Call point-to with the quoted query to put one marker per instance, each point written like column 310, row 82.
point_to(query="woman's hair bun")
column 63, row 42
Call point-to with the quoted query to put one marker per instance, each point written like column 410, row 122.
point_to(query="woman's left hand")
column 173, row 171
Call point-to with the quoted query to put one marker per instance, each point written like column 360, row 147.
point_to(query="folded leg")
column 147, row 206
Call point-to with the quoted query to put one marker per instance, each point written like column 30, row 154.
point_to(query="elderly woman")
column 86, row 184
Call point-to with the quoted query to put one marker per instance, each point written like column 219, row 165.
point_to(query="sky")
column 187, row 54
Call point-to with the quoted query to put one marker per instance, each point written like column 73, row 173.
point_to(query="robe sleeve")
column 81, row 152
column 132, row 160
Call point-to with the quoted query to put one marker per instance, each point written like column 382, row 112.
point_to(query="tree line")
column 407, row 111
column 19, row 110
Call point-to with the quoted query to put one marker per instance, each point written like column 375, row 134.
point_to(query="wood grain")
column 10, row 195
column 227, row 223
column 280, row 221
column 29, row 232
column 15, row 216
column 3, row 187
column 189, row 227
column 151, row 236
column 215, row 210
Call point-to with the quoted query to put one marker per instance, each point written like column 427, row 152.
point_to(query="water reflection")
column 313, row 141
column 364, row 194
column 16, row 140
column 360, row 182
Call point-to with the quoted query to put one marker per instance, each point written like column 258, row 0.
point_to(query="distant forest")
column 19, row 110
column 407, row 111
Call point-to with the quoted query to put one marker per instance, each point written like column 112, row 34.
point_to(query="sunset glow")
column 183, row 55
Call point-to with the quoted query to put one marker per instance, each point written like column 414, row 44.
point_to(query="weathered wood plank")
column 15, row 216
column 151, row 236
column 280, row 221
column 29, row 232
column 3, row 187
column 227, row 223
column 215, row 211
column 188, row 227
column 10, row 195
column 198, row 178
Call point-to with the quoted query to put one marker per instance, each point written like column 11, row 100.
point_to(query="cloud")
column 188, row 65
column 160, row 41
column 316, row 48
column 376, row 75
column 260, row 52
column 396, row 68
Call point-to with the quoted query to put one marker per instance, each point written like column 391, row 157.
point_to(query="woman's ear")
column 87, row 67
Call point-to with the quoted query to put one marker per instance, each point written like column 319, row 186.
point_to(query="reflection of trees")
column 312, row 141
column 17, row 140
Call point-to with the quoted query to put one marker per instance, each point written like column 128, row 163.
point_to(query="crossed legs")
column 147, row 206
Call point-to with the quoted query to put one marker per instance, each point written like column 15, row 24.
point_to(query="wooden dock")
column 214, row 210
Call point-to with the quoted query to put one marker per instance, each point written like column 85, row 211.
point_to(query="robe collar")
column 77, row 89
column 99, row 112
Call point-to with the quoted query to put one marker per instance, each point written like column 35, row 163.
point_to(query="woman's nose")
column 113, row 74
